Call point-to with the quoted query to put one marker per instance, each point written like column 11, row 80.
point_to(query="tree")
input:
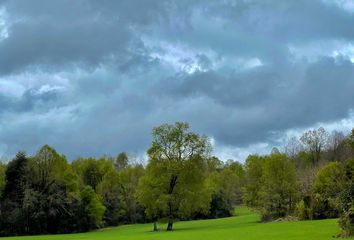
column 12, row 215
column 346, row 220
column 254, row 172
column 121, row 161
column 330, row 182
column 92, row 175
column 279, row 188
column 351, row 139
column 292, row 148
column 129, row 180
column 91, row 170
column 336, row 145
column 149, row 194
column 2, row 178
column 230, row 182
column 315, row 142
column 110, row 191
column 175, row 178
column 226, row 185
column 51, row 193
column 92, row 207
column 49, row 211
column 346, row 200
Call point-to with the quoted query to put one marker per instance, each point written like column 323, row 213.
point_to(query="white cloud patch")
column 3, row 26
column 347, row 5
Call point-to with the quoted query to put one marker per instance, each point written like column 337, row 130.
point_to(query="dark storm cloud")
column 270, row 100
column 54, row 40
column 93, row 77
column 30, row 100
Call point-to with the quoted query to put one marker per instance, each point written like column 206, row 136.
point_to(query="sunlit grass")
column 244, row 226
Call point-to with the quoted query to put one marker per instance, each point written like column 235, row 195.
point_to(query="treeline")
column 46, row 194
column 310, row 178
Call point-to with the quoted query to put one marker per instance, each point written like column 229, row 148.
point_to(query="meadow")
column 245, row 225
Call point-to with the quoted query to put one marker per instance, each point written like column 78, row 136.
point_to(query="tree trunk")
column 173, row 182
column 170, row 225
column 155, row 227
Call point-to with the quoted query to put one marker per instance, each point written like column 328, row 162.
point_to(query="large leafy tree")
column 173, row 185
column 279, row 187
column 51, row 193
column 329, row 183
column 254, row 172
column 92, row 208
column 129, row 179
column 12, row 214
column 110, row 191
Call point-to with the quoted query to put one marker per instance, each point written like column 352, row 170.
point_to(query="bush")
column 329, row 183
column 303, row 210
column 346, row 222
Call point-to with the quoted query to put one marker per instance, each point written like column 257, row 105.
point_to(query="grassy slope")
column 245, row 226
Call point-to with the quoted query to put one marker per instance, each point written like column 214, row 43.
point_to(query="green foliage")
column 39, row 194
column 110, row 191
column 220, row 207
column 173, row 185
column 347, row 208
column 279, row 189
column 254, row 173
column 346, row 222
column 303, row 210
column 12, row 214
column 226, row 183
column 50, row 211
column 232, row 182
column 351, row 139
column 330, row 180
column 2, row 178
column 129, row 180
column 329, row 183
column 93, row 207
column 46, row 194
column 349, row 168
column 48, row 166
column 92, row 171
column 118, row 191
column 121, row 161
column 315, row 142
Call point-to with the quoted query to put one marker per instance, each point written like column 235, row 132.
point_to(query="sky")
column 94, row 77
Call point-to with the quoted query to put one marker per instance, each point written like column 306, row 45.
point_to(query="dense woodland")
column 311, row 177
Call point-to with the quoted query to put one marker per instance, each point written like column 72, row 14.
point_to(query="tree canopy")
column 312, row 178
column 172, row 186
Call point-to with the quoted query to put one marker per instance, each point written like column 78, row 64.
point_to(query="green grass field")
column 245, row 226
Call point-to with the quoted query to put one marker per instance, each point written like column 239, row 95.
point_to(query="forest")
column 309, row 177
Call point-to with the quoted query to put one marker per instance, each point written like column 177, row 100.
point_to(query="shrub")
column 303, row 210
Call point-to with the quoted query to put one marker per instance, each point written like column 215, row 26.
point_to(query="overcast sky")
column 93, row 77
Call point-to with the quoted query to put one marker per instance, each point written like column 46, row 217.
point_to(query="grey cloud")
column 62, row 33
column 266, row 100
column 31, row 100
column 126, row 66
